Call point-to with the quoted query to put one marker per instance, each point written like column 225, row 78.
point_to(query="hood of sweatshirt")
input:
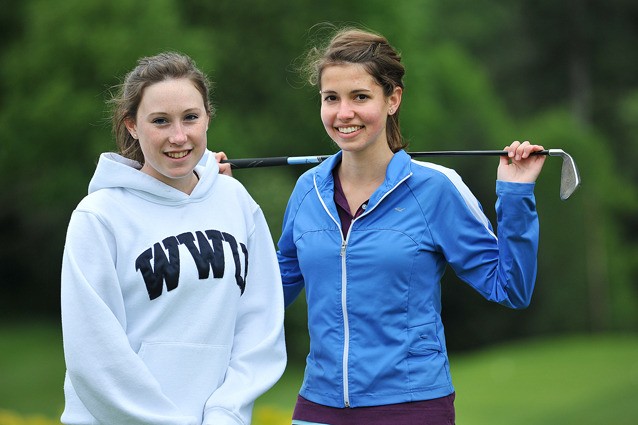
column 115, row 171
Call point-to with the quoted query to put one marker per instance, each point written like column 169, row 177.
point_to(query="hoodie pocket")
column 188, row 373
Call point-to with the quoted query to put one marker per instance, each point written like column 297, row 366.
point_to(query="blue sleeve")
column 291, row 276
column 501, row 268
column 518, row 233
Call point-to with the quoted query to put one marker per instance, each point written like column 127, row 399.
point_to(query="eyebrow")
column 185, row 111
column 355, row 91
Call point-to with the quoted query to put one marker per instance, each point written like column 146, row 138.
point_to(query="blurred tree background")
column 480, row 73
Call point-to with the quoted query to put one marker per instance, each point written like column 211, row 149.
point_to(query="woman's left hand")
column 520, row 166
column 223, row 168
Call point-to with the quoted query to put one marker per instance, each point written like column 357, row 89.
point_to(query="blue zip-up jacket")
column 374, row 298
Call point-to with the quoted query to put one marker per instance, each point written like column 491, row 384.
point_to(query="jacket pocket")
column 423, row 339
column 426, row 360
column 188, row 373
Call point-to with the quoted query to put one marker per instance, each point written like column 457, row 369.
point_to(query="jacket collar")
column 399, row 169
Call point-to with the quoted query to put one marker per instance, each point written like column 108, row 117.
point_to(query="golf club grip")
column 273, row 161
column 256, row 162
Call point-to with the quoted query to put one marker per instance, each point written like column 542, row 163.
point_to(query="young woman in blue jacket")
column 368, row 234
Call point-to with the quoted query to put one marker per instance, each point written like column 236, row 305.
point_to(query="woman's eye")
column 191, row 117
column 159, row 121
column 361, row 96
column 330, row 98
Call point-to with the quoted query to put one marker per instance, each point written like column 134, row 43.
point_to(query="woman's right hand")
column 224, row 168
column 520, row 166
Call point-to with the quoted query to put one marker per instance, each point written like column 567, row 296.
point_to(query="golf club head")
column 569, row 176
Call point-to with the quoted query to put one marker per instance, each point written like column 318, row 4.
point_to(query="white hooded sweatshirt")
column 172, row 304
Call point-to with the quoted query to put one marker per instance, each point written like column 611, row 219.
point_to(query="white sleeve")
column 110, row 380
column 258, row 356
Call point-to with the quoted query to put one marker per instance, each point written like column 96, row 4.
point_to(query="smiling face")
column 171, row 125
column 354, row 109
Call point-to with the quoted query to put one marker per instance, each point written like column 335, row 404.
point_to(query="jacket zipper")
column 346, row 325
column 344, row 298
column 344, row 310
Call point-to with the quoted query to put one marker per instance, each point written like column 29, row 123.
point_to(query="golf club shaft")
column 295, row 160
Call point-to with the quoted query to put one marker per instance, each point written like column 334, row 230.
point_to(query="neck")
column 189, row 184
column 364, row 167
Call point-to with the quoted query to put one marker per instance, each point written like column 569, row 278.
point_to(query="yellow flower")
column 268, row 415
column 11, row 418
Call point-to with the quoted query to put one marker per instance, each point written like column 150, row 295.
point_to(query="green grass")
column 571, row 380
column 31, row 369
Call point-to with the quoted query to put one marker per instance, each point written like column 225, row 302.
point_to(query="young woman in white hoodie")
column 172, row 307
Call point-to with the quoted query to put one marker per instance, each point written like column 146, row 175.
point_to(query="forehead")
column 178, row 92
column 350, row 76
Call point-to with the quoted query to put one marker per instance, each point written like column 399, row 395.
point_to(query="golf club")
column 569, row 177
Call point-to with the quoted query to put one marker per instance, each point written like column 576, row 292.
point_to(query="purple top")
column 342, row 206
column 439, row 411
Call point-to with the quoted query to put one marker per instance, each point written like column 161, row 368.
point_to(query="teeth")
column 177, row 155
column 348, row 130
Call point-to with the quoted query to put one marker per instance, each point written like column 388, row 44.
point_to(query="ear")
column 394, row 100
column 131, row 127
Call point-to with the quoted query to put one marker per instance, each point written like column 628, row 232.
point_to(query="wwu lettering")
column 161, row 262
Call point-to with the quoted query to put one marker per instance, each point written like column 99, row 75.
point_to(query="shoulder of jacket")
column 306, row 181
column 422, row 170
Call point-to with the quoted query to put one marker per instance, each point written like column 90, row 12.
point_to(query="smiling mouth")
column 177, row 155
column 350, row 129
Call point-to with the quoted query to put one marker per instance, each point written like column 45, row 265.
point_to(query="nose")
column 179, row 135
column 345, row 112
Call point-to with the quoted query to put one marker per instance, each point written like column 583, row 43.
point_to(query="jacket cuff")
column 511, row 188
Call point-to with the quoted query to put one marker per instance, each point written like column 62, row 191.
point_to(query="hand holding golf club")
column 225, row 167
column 520, row 166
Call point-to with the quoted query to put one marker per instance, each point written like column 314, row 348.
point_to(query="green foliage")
column 480, row 74
column 587, row 252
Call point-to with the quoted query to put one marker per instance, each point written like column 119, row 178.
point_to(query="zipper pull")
column 343, row 247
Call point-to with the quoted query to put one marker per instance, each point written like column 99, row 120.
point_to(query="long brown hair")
column 151, row 70
column 375, row 54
